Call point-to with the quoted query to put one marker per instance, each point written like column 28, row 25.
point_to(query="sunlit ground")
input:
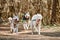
column 47, row 32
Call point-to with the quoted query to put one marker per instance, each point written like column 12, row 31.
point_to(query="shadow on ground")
column 27, row 36
column 51, row 34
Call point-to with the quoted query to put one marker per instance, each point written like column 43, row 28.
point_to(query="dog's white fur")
column 26, row 22
column 33, row 23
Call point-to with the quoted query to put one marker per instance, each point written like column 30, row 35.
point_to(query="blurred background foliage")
column 50, row 9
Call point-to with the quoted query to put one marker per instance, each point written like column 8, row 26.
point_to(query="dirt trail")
column 46, row 34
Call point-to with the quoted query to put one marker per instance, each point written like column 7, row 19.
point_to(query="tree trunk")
column 53, row 16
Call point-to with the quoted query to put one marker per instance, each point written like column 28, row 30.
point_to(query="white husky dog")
column 36, row 22
column 26, row 20
column 11, row 23
column 16, row 23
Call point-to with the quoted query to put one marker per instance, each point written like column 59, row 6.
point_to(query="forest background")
column 50, row 9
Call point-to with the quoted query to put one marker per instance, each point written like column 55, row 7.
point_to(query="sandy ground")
column 51, row 33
